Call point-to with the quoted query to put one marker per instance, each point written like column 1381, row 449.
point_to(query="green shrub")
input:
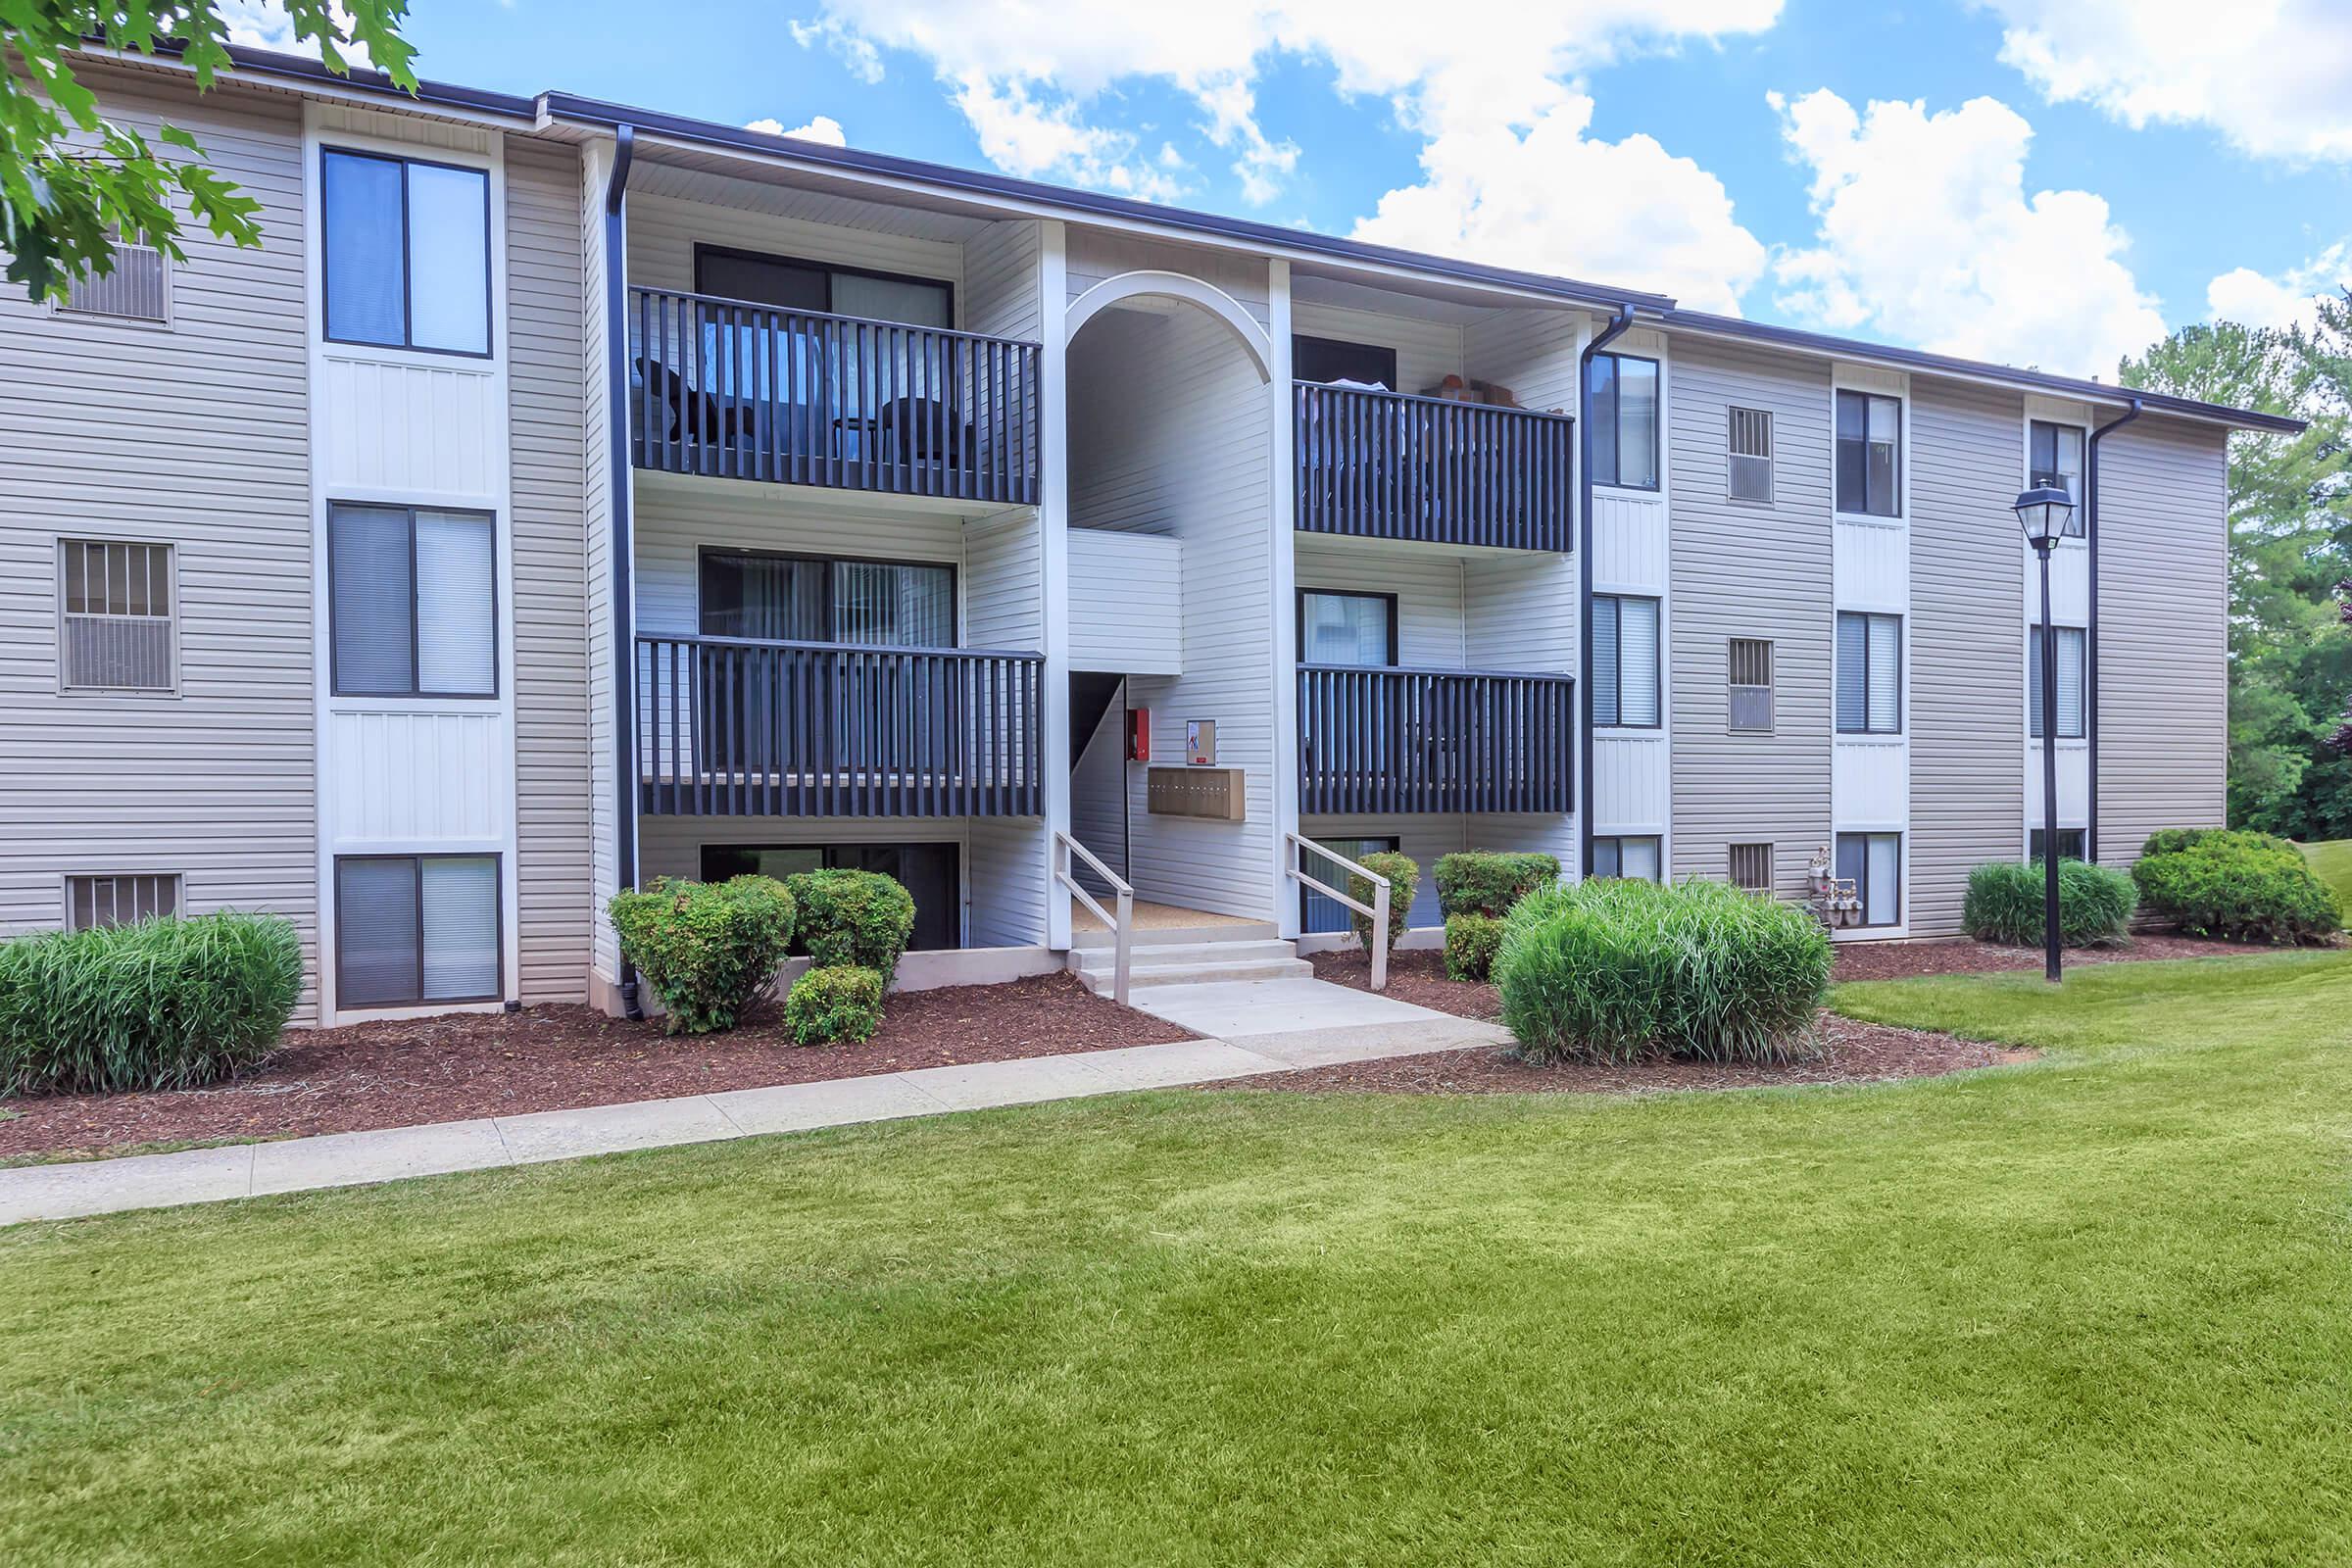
column 1611, row 971
column 1470, row 944
column 2004, row 903
column 159, row 1004
column 1404, row 881
column 1489, row 881
column 2247, row 887
column 853, row 919
column 840, row 1003
column 2173, row 840
column 709, row 949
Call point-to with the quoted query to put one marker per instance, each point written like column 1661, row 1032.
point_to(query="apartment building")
column 567, row 495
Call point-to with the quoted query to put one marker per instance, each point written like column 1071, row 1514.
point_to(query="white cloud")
column 863, row 59
column 2291, row 298
column 2273, row 76
column 1553, row 200
column 1926, row 235
column 1034, row 76
column 264, row 24
column 821, row 128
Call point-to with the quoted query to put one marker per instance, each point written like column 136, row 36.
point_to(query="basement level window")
column 93, row 902
column 1751, row 868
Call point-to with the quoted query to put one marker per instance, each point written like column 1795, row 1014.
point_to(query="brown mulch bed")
column 1856, row 1054
column 461, row 1065
column 1902, row 960
column 1417, row 976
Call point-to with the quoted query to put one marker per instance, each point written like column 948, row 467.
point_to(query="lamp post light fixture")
column 2043, row 513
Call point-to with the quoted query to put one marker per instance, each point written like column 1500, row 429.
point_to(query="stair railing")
column 1376, row 911
column 1122, row 924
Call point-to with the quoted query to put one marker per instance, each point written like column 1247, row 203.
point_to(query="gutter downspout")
column 624, row 633
column 1583, row 604
column 2090, row 636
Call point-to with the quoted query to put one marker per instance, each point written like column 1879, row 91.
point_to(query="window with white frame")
column 120, row 899
column 1750, row 685
column 412, row 601
column 118, row 615
column 1870, row 459
column 2054, row 461
column 1749, row 438
column 1752, row 867
column 416, row 928
column 407, row 252
column 2071, row 649
column 1624, row 661
column 1874, row 863
column 1870, row 674
column 1624, row 421
column 1621, row 856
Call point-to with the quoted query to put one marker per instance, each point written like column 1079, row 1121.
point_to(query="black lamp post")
column 2043, row 512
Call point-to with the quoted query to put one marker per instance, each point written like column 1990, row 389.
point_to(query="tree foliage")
column 2291, row 555
column 73, row 183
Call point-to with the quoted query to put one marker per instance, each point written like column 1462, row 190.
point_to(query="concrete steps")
column 1157, row 961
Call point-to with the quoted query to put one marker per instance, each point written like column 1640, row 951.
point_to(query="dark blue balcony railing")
column 744, row 391
column 736, row 728
column 1387, row 466
column 1393, row 740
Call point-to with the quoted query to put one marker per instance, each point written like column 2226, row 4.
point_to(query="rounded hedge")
column 853, row 919
column 1611, row 971
column 2245, row 887
column 1471, row 941
column 1404, row 883
column 2004, row 903
column 841, row 1002
column 708, row 950
column 1489, row 881
column 159, row 1004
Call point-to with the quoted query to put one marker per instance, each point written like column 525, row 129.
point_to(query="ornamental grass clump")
column 167, row 1003
column 708, row 950
column 1614, row 970
column 2245, row 887
column 2004, row 903
column 853, row 919
column 841, row 1002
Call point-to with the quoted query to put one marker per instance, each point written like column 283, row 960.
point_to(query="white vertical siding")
column 194, row 435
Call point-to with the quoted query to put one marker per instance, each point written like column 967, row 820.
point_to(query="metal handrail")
column 1376, row 911
column 1122, row 925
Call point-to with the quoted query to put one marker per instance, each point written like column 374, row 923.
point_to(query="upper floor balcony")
column 1382, row 739
column 737, row 390
column 1378, row 465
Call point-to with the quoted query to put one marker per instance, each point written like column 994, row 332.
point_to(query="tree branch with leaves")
column 74, row 183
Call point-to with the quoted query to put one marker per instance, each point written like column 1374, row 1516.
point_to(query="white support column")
column 1282, row 574
column 1054, row 529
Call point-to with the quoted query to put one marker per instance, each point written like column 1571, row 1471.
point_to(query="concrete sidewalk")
column 348, row 1159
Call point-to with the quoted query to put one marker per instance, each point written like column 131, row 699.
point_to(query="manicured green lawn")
column 2332, row 860
column 2092, row 1310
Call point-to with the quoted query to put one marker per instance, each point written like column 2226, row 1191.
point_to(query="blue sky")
column 1726, row 151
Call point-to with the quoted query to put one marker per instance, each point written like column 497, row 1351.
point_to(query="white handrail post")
column 1380, row 937
column 1123, row 945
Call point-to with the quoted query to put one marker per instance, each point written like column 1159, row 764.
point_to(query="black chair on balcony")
column 692, row 417
column 921, row 431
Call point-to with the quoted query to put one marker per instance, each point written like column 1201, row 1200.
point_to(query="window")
column 1874, row 863
column 93, row 902
column 1625, row 662
column 1870, row 674
column 790, row 284
column 138, row 289
column 1751, row 868
column 407, row 252
column 2070, row 844
column 416, row 928
column 810, row 599
column 2069, row 682
column 2055, row 460
column 1624, row 421
column 1751, row 438
column 930, row 873
column 1869, row 454
column 117, row 622
column 1750, row 685
column 1635, row 858
column 1328, row 358
column 412, row 601
column 1358, row 630
column 1319, row 911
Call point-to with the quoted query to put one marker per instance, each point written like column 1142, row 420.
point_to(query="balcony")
column 1388, row 466
column 736, row 728
column 740, row 391
column 1379, row 741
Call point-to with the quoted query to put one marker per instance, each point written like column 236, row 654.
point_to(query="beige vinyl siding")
column 196, row 436
column 2163, row 632
column 1003, row 608
column 1531, row 351
column 546, row 377
column 1741, row 568
column 1964, row 647
column 1096, row 256
column 596, row 534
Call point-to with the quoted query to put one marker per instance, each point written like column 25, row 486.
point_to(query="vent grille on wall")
column 1750, row 437
column 92, row 901
column 135, row 290
column 1750, row 683
column 1751, row 868
column 116, row 628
